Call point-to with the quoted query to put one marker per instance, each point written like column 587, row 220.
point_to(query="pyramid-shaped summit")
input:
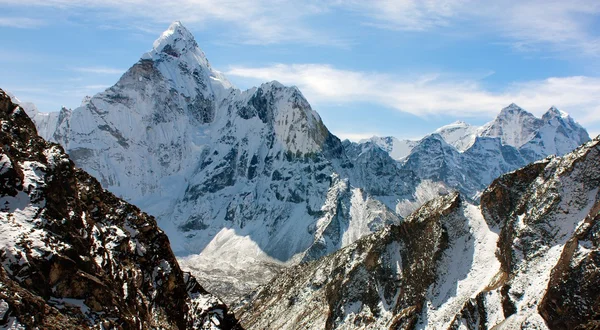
column 554, row 112
column 175, row 38
column 513, row 107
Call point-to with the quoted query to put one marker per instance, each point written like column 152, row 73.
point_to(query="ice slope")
column 397, row 149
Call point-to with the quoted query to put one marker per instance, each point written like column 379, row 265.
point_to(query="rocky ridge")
column 75, row 256
column 526, row 258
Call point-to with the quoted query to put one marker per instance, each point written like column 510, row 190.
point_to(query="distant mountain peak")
column 461, row 123
column 459, row 134
column 554, row 112
column 512, row 108
column 455, row 125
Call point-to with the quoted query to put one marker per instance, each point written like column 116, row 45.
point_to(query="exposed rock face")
column 571, row 300
column 526, row 258
column 379, row 281
column 75, row 256
column 548, row 240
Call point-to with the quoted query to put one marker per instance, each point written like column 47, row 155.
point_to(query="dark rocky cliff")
column 74, row 256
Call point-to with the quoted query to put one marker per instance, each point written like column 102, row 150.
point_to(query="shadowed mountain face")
column 75, row 256
column 526, row 258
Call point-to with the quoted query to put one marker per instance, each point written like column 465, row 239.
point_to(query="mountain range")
column 245, row 183
column 526, row 258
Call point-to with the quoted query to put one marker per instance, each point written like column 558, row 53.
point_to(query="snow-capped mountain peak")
column 468, row 158
column 176, row 41
column 514, row 126
column 234, row 177
column 177, row 48
column 512, row 107
column 512, row 110
column 397, row 149
column 554, row 112
column 458, row 134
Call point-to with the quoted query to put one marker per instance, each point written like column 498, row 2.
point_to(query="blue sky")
column 377, row 67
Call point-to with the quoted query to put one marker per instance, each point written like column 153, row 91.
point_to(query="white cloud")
column 432, row 95
column 99, row 70
column 563, row 25
column 555, row 25
column 411, row 15
column 21, row 22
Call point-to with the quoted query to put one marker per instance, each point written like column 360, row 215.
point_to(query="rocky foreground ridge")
column 527, row 258
column 74, row 256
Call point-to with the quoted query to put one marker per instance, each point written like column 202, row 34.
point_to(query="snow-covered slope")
column 73, row 256
column 250, row 178
column 458, row 134
column 514, row 126
column 397, row 149
column 526, row 258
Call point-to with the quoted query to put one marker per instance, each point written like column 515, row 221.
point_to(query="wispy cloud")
column 251, row 21
column 21, row 22
column 408, row 15
column 543, row 25
column 432, row 95
column 554, row 25
column 99, row 70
